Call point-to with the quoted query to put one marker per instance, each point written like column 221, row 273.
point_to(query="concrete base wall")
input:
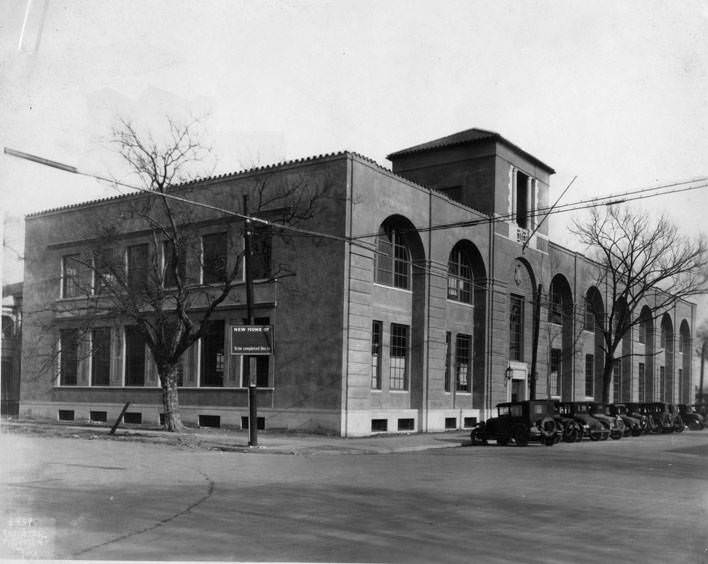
column 360, row 423
column 309, row 420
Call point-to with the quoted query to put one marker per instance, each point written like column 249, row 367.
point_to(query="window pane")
column 554, row 378
column 376, row 340
column 463, row 358
column 70, row 276
column 69, row 356
column 402, row 264
column 383, row 259
column 459, row 282
column 399, row 357
column 134, row 357
column 137, row 267
column 448, row 371
column 212, row 357
column 214, row 249
column 261, row 249
column 589, row 375
column 100, row 356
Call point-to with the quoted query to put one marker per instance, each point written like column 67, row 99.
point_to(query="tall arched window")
column 459, row 276
column 393, row 259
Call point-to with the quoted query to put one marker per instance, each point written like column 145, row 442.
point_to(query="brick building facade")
column 414, row 314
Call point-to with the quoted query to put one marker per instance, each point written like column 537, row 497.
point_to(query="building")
column 412, row 313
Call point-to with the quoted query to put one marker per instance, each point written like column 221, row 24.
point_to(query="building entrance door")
column 518, row 390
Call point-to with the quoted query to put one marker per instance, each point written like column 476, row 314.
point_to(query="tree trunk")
column 170, row 401
column 607, row 378
column 700, row 384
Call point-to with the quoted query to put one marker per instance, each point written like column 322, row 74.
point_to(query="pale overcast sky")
column 613, row 92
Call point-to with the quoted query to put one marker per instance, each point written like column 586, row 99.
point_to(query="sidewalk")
column 228, row 440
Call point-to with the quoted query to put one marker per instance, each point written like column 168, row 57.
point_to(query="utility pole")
column 534, row 346
column 703, row 361
column 252, row 380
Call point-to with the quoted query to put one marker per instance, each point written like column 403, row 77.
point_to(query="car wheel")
column 694, row 425
column 595, row 435
column 521, row 435
column 616, row 435
column 678, row 425
column 570, row 433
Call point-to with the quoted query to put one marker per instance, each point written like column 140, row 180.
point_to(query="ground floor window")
column 376, row 341
column 448, row 355
column 617, row 380
column 101, row 356
column 662, row 383
column 463, row 357
column 680, row 384
column 68, row 357
column 399, row 357
column 554, row 377
column 641, row 375
column 212, row 355
column 134, row 357
column 589, row 375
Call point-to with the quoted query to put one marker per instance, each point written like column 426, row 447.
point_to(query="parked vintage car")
column 663, row 420
column 676, row 418
column 645, row 411
column 633, row 425
column 592, row 428
column 522, row 422
column 691, row 417
column 572, row 430
column 614, row 424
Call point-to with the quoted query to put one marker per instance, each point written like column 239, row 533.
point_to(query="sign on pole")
column 252, row 339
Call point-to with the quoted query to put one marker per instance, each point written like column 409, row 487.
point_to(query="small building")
column 412, row 310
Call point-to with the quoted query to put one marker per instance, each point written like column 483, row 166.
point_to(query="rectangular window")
column 399, row 357
column 516, row 328
column 261, row 251
column 134, row 357
column 463, row 358
column 555, row 312
column 641, row 374
column 106, row 265
column 212, row 355
column 448, row 356
column 376, row 341
column 617, row 380
column 70, row 278
column 262, row 362
column 383, row 259
column 554, row 378
column 662, row 383
column 522, row 199
column 680, row 343
column 642, row 332
column 174, row 264
column 100, row 356
column 589, row 375
column 589, row 316
column 214, row 249
column 68, row 357
column 137, row 261
column 680, row 384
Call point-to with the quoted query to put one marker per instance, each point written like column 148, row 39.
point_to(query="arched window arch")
column 460, row 279
column 392, row 263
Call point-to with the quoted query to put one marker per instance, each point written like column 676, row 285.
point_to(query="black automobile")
column 691, row 417
column 521, row 422
column 592, row 428
column 633, row 425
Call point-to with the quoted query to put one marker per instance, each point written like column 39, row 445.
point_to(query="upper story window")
column 70, row 279
column 106, row 268
column 589, row 315
column 555, row 311
column 524, row 199
column 459, row 276
column 392, row 262
column 137, row 267
column 214, row 249
column 261, row 251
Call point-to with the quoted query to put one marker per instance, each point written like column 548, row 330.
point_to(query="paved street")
column 635, row 500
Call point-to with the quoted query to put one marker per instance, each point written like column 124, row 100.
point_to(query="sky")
column 615, row 93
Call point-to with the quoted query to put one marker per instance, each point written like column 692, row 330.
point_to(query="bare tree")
column 638, row 262
column 151, row 288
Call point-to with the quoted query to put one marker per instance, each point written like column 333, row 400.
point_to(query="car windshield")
column 517, row 410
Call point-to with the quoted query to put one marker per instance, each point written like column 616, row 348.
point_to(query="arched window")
column 393, row 259
column 459, row 276
column 8, row 327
